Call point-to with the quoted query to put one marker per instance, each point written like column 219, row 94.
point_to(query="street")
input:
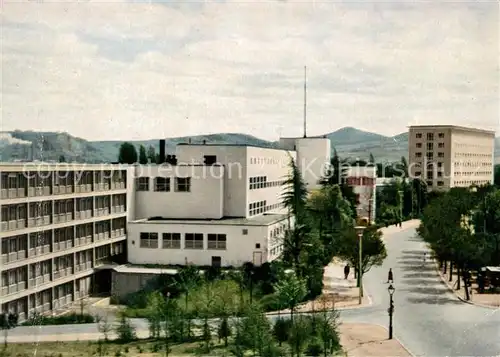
column 428, row 319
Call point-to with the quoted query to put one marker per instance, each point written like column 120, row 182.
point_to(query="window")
column 441, row 135
column 430, row 175
column 142, row 184
column 440, row 174
column 418, row 135
column 429, row 183
column 256, row 208
column 149, row 240
column 440, row 183
column 162, row 184
column 419, row 145
column 183, row 184
column 210, row 159
column 430, row 136
column 440, row 164
column 193, row 241
column 430, row 146
column 244, row 232
column 216, row 241
column 440, row 145
column 171, row 241
column 418, row 154
column 430, row 156
column 257, row 246
column 418, row 173
column 440, row 154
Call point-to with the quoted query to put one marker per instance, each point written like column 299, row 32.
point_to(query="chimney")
column 162, row 151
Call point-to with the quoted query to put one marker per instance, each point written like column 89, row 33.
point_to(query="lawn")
column 144, row 348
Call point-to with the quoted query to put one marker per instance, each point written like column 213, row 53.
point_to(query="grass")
column 143, row 348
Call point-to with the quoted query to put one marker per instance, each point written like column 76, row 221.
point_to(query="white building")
column 64, row 225
column 363, row 180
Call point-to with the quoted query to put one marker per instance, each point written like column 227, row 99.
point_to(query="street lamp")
column 391, row 290
column 359, row 231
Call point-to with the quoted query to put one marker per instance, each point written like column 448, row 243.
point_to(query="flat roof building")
column 447, row 156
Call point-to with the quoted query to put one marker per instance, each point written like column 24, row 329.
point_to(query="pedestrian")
column 390, row 277
column 347, row 270
column 425, row 258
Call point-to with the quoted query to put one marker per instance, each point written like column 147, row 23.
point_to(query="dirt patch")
column 362, row 340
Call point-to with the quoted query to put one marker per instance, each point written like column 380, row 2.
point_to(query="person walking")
column 347, row 270
column 390, row 277
column 425, row 258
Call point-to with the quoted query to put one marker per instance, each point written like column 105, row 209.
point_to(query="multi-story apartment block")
column 59, row 224
column 446, row 156
column 363, row 180
column 220, row 205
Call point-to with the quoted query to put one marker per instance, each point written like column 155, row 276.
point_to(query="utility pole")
column 305, row 102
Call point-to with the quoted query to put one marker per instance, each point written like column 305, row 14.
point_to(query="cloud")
column 123, row 70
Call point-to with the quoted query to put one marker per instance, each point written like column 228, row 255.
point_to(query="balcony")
column 14, row 288
column 63, row 217
column 40, row 309
column 13, row 225
column 12, row 257
column 66, row 244
column 83, row 214
column 39, row 280
column 13, row 193
column 83, row 267
column 38, row 221
column 44, row 249
column 117, row 209
column 118, row 185
column 83, row 240
column 63, row 273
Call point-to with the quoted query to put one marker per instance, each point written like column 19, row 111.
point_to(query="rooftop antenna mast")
column 305, row 102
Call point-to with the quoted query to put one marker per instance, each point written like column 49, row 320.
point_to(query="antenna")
column 305, row 101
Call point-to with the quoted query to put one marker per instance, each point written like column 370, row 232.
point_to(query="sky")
column 120, row 70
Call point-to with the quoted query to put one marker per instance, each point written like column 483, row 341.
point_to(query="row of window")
column 256, row 208
column 430, row 146
column 18, row 180
column 470, row 154
column 261, row 182
column 162, row 184
column 269, row 161
column 429, row 155
column 430, row 136
column 191, row 241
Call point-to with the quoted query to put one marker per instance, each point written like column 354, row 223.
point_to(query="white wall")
column 276, row 234
column 313, row 154
column 366, row 190
column 233, row 157
column 240, row 248
column 204, row 201
column 274, row 165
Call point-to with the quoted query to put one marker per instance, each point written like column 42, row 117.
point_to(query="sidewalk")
column 361, row 340
column 413, row 223
column 484, row 300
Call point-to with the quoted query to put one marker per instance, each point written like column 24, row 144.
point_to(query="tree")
column 487, row 221
column 295, row 196
column 371, row 160
column 151, row 155
column 154, row 312
column 254, row 331
column 104, row 327
column 328, row 322
column 125, row 330
column 373, row 248
column 291, row 290
column 62, row 158
column 7, row 322
column 187, row 279
column 300, row 333
column 497, row 175
column 127, row 154
column 143, row 158
column 226, row 305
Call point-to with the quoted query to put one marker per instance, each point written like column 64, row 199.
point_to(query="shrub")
column 69, row 319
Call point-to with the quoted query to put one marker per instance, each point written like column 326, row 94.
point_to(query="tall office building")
column 447, row 156
column 59, row 224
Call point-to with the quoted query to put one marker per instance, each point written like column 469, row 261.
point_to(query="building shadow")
column 437, row 290
column 416, row 262
column 418, row 268
column 420, row 275
column 433, row 300
column 418, row 282
column 414, row 251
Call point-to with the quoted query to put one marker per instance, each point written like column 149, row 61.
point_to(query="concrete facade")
column 59, row 222
column 448, row 156
column 363, row 180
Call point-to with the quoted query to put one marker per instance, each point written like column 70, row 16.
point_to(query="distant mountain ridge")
column 348, row 141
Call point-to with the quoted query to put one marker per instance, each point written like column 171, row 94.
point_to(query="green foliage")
column 290, row 291
column 373, row 252
column 295, row 193
column 127, row 153
column 151, row 155
column 124, row 330
column 254, row 331
column 68, row 319
column 497, row 175
column 281, row 330
column 143, row 158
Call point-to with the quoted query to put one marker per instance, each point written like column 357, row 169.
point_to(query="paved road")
column 428, row 319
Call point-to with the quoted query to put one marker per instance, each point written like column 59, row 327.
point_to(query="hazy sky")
column 130, row 70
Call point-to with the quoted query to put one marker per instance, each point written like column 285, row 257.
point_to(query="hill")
column 349, row 142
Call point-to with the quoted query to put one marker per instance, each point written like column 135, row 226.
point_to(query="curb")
column 396, row 339
column 443, row 279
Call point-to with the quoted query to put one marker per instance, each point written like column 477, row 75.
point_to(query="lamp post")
column 391, row 290
column 400, row 206
column 359, row 232
column 370, row 210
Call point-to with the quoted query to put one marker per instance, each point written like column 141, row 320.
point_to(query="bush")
column 315, row 348
column 69, row 319
column 270, row 303
column 281, row 330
